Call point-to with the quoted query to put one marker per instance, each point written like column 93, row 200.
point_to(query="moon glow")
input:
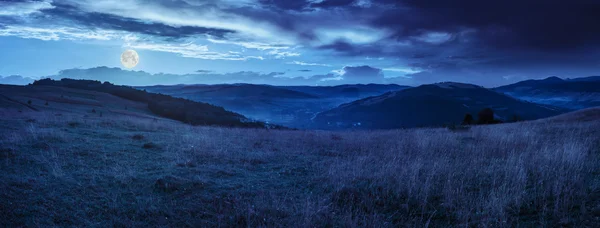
column 130, row 58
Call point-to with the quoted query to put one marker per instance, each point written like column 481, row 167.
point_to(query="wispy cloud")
column 191, row 50
column 60, row 33
column 184, row 14
column 402, row 70
column 283, row 54
column 308, row 64
column 252, row 45
column 11, row 8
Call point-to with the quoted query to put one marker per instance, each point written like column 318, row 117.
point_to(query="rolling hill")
column 429, row 105
column 93, row 97
column 572, row 94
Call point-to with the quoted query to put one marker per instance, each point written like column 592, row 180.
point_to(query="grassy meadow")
column 58, row 169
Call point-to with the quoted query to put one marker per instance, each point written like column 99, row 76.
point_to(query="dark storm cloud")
column 547, row 24
column 333, row 3
column 108, row 21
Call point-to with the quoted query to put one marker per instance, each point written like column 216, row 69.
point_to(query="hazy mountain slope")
column 575, row 93
column 348, row 91
column 229, row 91
column 292, row 106
column 429, row 105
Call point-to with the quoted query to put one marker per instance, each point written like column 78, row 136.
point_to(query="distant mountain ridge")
column 429, row 105
column 292, row 106
column 572, row 94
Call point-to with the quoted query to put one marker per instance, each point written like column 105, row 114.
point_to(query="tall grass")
column 97, row 174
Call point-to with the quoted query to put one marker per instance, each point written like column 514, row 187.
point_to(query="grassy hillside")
column 69, row 169
column 187, row 111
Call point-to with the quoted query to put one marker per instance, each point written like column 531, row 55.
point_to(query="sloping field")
column 70, row 168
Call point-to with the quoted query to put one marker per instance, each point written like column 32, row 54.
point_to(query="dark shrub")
column 468, row 120
column 486, row 116
column 46, row 103
column 29, row 102
column 150, row 146
column 93, row 110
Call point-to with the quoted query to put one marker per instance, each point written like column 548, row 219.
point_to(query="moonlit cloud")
column 18, row 8
column 435, row 37
column 402, row 70
column 186, row 15
column 353, row 35
column 191, row 50
column 61, row 33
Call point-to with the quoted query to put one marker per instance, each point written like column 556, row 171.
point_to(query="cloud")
column 178, row 14
column 15, row 80
column 141, row 78
column 361, row 74
column 434, row 37
column 57, row 33
column 107, row 21
column 308, row 64
column 22, row 8
column 190, row 50
column 402, row 70
column 283, row 54
column 204, row 71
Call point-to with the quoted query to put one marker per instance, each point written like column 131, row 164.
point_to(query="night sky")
column 313, row 42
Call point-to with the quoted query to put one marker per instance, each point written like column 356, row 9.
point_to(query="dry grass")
column 96, row 173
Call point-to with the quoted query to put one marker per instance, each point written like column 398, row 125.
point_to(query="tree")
column 468, row 120
column 486, row 116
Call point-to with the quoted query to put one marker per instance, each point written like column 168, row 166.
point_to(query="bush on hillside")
column 485, row 116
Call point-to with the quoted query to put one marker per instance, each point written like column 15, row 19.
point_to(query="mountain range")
column 292, row 106
column 365, row 106
column 573, row 94
column 430, row 105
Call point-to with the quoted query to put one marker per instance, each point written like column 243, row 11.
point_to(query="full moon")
column 130, row 58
